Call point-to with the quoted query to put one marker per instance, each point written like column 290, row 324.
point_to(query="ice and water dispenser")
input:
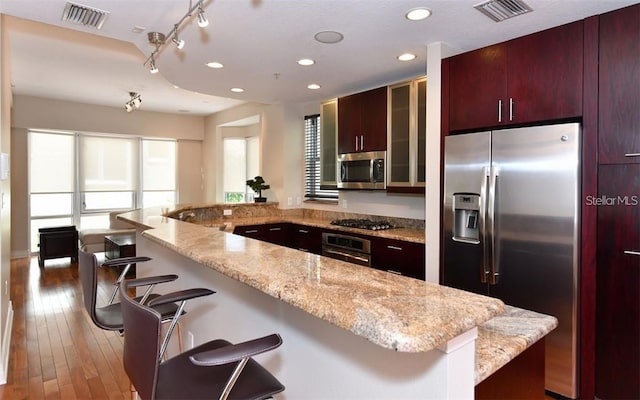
column 466, row 209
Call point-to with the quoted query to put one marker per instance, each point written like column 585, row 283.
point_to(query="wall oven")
column 347, row 248
column 362, row 170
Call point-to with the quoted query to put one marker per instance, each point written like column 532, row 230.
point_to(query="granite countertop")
column 409, row 235
column 392, row 311
column 504, row 337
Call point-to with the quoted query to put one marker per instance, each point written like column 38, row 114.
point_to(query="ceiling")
column 258, row 41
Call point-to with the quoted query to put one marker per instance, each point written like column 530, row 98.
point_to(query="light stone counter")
column 504, row 337
column 392, row 311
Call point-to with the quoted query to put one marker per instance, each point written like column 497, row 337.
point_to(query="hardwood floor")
column 56, row 351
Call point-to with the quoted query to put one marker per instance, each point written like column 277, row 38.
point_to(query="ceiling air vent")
column 83, row 15
column 499, row 10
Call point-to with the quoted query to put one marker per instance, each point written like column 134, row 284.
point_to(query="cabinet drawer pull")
column 632, row 252
column 394, row 247
column 499, row 110
column 251, row 231
column 302, row 231
column 356, row 143
column 275, row 229
column 632, row 155
column 510, row 109
column 394, row 272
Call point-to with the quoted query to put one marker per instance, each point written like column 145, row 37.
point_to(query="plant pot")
column 260, row 199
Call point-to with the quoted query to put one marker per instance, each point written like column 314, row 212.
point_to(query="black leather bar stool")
column 214, row 370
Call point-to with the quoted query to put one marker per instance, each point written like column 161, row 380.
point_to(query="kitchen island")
column 349, row 331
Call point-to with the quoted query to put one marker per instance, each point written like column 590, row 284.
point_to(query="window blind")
column 312, row 160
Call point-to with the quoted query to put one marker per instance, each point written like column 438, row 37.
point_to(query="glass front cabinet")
column 328, row 140
column 407, row 136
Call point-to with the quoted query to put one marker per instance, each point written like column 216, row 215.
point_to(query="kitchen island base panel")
column 317, row 360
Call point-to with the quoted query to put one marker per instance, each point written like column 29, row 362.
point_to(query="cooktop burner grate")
column 362, row 224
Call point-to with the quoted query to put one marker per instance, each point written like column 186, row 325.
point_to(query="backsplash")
column 202, row 214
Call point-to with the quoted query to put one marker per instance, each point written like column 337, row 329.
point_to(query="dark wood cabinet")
column 362, row 121
column 306, row 238
column 279, row 233
column 530, row 79
column 398, row 256
column 618, row 283
column 619, row 87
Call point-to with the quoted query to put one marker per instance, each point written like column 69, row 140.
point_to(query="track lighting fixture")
column 159, row 39
column 179, row 43
column 134, row 102
column 203, row 22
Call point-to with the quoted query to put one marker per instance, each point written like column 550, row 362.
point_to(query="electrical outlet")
column 289, row 201
column 298, row 200
column 344, row 203
column 227, row 212
column 190, row 340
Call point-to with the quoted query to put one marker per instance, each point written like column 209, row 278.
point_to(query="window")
column 113, row 173
column 240, row 163
column 312, row 188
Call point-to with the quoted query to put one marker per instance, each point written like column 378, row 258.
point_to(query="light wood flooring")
column 56, row 351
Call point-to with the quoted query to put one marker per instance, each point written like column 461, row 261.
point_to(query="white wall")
column 6, row 310
column 38, row 113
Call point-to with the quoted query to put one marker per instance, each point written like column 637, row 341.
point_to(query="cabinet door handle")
column 302, row 231
column 499, row 110
column 361, row 142
column 632, row 155
column 394, row 247
column 632, row 252
column 356, row 143
column 394, row 272
column 511, row 109
column 251, row 231
column 275, row 229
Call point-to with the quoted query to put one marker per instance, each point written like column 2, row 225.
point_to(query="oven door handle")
column 348, row 255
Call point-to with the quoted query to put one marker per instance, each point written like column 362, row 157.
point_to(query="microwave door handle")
column 343, row 172
column 484, row 268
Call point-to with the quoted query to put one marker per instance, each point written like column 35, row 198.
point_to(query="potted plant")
column 257, row 184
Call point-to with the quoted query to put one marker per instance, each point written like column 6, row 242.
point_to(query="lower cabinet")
column 398, row 257
column 306, row 238
column 618, row 282
column 279, row 233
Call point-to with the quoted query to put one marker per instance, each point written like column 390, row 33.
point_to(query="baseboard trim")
column 20, row 254
column 6, row 345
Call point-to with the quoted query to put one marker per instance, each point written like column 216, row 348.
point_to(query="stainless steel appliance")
column 362, row 170
column 510, row 230
column 347, row 248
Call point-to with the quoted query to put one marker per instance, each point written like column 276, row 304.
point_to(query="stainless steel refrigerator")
column 510, row 228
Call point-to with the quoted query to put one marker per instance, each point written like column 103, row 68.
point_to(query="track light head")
column 134, row 102
column 203, row 22
column 128, row 107
column 179, row 43
column 152, row 66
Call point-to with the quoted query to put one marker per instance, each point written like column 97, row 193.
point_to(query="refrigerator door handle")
column 482, row 221
column 491, row 212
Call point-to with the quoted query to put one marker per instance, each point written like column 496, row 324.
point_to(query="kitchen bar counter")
column 393, row 312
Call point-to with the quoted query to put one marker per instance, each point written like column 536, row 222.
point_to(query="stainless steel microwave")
column 362, row 170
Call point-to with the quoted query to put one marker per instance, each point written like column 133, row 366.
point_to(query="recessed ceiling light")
column 306, row 61
column 406, row 57
column 329, row 37
column 313, row 86
column 418, row 14
column 215, row 65
column 237, row 90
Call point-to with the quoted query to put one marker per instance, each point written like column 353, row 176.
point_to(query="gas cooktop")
column 363, row 224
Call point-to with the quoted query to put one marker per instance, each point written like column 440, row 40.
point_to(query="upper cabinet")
column 362, row 122
column 534, row 78
column 407, row 136
column 619, row 87
column 328, row 140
